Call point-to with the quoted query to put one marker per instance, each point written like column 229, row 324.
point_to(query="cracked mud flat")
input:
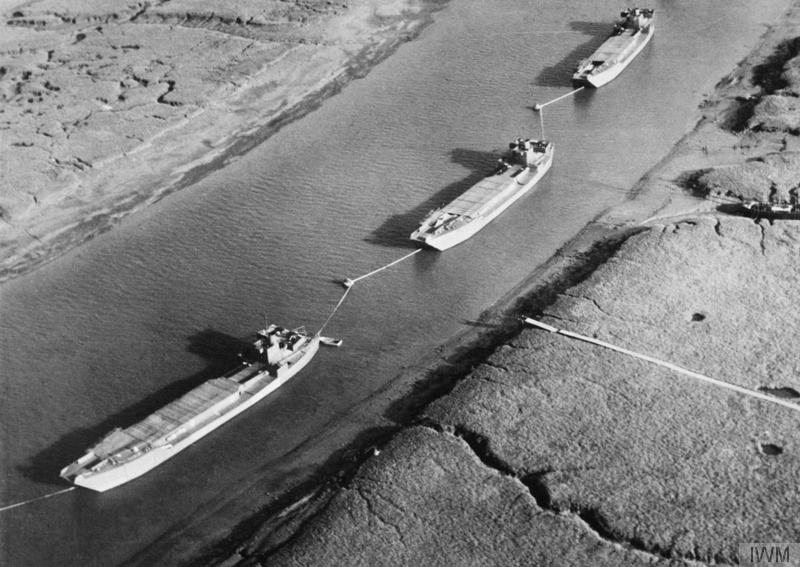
column 107, row 107
column 428, row 499
column 555, row 452
column 560, row 453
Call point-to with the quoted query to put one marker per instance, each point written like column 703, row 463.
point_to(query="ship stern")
column 581, row 80
column 423, row 236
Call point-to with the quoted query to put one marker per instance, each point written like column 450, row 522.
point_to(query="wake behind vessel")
column 517, row 172
column 631, row 34
column 275, row 355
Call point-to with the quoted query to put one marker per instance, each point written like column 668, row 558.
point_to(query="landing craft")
column 274, row 357
column 631, row 34
column 517, row 172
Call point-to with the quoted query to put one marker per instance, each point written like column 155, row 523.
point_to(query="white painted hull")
column 110, row 477
column 604, row 77
column 450, row 238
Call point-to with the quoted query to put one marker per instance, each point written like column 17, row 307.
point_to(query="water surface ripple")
column 115, row 329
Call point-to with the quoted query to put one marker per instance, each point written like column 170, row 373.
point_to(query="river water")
column 115, row 329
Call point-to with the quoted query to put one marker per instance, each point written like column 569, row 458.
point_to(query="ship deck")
column 613, row 47
column 474, row 199
column 168, row 418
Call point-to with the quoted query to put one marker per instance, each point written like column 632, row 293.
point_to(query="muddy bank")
column 608, row 456
column 108, row 108
column 553, row 452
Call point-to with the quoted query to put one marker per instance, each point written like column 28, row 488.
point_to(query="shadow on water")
column 427, row 260
column 397, row 228
column 218, row 349
column 582, row 101
column 560, row 74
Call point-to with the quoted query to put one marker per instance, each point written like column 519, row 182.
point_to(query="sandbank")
column 108, row 108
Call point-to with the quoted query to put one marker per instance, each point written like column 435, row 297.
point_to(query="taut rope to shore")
column 671, row 366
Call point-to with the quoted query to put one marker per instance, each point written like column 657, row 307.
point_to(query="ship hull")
column 112, row 477
column 451, row 238
column 597, row 80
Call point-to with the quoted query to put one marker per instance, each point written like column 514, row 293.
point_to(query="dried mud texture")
column 774, row 177
column 114, row 87
column 749, row 132
column 778, row 112
column 98, row 79
column 428, row 499
column 106, row 106
column 669, row 465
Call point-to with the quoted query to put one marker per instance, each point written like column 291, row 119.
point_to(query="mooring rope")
column 669, row 365
column 540, row 107
column 348, row 282
column 541, row 122
column 32, row 500
column 335, row 309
